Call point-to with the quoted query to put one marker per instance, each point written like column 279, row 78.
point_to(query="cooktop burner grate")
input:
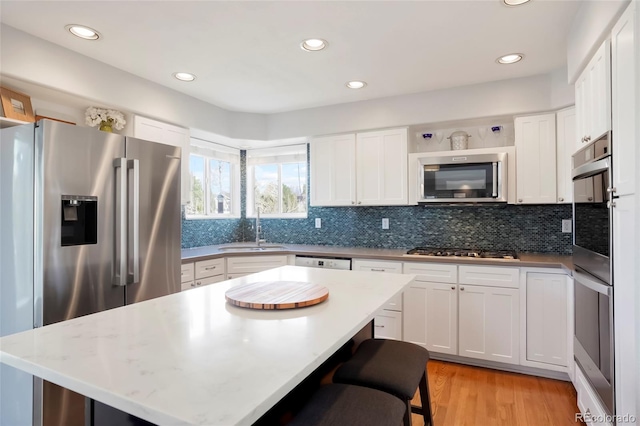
column 449, row 252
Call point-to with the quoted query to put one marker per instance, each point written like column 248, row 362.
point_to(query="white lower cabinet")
column 489, row 323
column 588, row 403
column 547, row 318
column 245, row 265
column 203, row 272
column 387, row 324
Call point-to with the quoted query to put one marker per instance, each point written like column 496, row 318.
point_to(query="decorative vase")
column 105, row 126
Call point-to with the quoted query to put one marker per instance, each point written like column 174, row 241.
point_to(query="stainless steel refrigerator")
column 89, row 221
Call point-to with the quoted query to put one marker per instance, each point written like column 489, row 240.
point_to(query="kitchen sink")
column 251, row 247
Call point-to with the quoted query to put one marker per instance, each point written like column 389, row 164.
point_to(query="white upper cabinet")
column 624, row 51
column 565, row 147
column 381, row 166
column 593, row 97
column 333, row 170
column 364, row 169
column 536, row 159
column 157, row 131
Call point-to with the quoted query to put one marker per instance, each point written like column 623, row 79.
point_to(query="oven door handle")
column 495, row 180
column 590, row 169
column 589, row 282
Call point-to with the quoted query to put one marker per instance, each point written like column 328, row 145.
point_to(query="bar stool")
column 337, row 404
column 392, row 366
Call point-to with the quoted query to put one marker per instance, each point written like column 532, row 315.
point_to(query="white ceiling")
column 247, row 58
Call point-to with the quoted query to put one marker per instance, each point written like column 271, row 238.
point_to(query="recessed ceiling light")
column 83, row 32
column 356, row 84
column 514, row 2
column 313, row 44
column 511, row 58
column 184, row 76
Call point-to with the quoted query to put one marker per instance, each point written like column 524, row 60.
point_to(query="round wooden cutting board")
column 276, row 295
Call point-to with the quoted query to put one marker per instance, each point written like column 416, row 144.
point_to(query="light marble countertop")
column 192, row 359
column 539, row 260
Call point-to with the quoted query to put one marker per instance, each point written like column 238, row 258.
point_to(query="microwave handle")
column 495, row 179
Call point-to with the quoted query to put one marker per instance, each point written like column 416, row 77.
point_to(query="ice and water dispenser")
column 79, row 220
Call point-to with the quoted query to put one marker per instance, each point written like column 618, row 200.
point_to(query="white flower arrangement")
column 99, row 116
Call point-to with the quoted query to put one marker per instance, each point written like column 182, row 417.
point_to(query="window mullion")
column 280, row 189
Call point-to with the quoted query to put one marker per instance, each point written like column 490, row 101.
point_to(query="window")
column 214, row 171
column 277, row 181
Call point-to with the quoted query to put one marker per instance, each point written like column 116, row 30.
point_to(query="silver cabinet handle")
column 209, row 268
column 120, row 252
column 612, row 190
column 560, row 199
column 494, row 193
column 379, row 326
column 134, row 224
column 377, row 270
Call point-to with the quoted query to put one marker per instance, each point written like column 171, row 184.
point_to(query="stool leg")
column 407, row 414
column 425, row 398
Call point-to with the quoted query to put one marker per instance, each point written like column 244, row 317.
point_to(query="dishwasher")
column 324, row 262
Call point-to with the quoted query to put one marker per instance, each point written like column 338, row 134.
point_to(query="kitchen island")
column 193, row 359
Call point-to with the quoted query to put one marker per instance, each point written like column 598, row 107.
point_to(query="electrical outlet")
column 385, row 223
column 566, row 226
column 318, row 222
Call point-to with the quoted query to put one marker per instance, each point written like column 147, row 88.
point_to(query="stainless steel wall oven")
column 592, row 259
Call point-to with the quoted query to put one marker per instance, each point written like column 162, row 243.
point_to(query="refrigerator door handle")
column 134, row 166
column 120, row 252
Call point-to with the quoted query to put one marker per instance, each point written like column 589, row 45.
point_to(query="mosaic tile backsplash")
column 522, row 228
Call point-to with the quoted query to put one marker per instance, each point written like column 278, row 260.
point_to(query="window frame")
column 250, row 184
column 214, row 153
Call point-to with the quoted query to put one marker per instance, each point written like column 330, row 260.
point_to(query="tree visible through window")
column 211, row 186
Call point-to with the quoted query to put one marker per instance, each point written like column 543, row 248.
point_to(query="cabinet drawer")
column 394, row 304
column 232, row 276
column 186, row 273
column 377, row 266
column 250, row 264
column 187, row 285
column 433, row 272
column 387, row 325
column 210, row 280
column 209, row 268
column 490, row 276
column 588, row 404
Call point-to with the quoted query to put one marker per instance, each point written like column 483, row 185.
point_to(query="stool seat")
column 391, row 366
column 394, row 367
column 339, row 404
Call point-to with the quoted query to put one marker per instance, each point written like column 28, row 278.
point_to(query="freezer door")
column 154, row 220
column 75, row 208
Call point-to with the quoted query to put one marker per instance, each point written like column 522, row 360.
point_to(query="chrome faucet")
column 258, row 228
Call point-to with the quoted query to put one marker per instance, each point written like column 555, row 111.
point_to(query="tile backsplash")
column 535, row 228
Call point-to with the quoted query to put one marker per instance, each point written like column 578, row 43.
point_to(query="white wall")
column 40, row 67
column 506, row 97
column 591, row 25
column 34, row 60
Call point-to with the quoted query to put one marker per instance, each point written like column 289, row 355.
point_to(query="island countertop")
column 190, row 358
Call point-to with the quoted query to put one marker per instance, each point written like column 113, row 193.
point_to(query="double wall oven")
column 593, row 281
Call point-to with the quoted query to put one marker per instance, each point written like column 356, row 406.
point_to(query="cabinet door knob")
column 453, row 287
column 611, row 190
column 461, row 288
column 353, row 202
column 359, row 202
column 519, row 200
column 588, row 138
column 560, row 199
column 198, row 283
column 193, row 284
column 590, row 198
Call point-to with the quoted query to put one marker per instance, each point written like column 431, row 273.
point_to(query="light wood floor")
column 463, row 395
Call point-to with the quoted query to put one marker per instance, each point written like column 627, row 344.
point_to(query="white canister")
column 459, row 140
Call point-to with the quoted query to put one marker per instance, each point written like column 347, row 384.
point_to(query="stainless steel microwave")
column 464, row 177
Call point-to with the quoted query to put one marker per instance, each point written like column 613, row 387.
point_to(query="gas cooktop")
column 479, row 254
